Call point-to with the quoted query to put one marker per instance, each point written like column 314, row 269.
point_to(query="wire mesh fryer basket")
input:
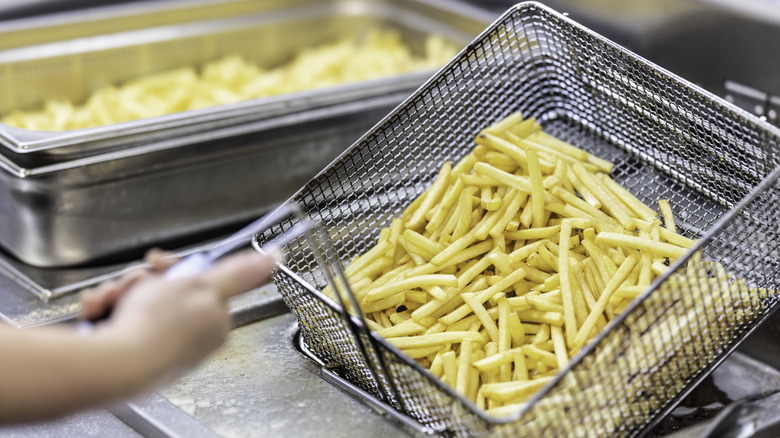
column 667, row 138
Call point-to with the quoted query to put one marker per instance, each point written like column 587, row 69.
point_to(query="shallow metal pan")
column 94, row 49
column 121, row 202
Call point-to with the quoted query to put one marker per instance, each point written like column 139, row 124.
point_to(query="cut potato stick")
column 638, row 207
column 456, row 246
column 513, row 390
column 601, row 193
column 415, row 282
column 479, row 310
column 464, row 366
column 449, row 200
column 521, row 184
column 525, row 128
column 436, row 339
column 533, row 233
column 537, row 190
column 504, row 124
column 483, row 296
column 562, row 147
column 434, row 193
column 450, row 367
column 566, row 293
column 584, row 332
column 584, row 190
column 666, row 213
column 626, row 241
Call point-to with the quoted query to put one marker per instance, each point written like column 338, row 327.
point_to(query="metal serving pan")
column 72, row 55
column 116, row 204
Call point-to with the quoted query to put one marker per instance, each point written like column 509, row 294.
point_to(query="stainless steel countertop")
column 97, row 423
column 258, row 384
column 266, row 388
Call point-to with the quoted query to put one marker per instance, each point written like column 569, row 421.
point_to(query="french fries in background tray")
column 380, row 53
column 132, row 74
column 512, row 261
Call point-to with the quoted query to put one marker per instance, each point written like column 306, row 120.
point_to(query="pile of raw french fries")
column 380, row 53
column 511, row 262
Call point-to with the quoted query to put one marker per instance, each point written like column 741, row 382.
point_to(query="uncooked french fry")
column 519, row 183
column 436, row 339
column 504, row 124
column 566, row 293
column 450, row 366
column 641, row 209
column 561, row 146
column 552, row 318
column 537, row 190
column 601, row 193
column 434, row 193
column 657, row 248
column 479, row 310
column 464, row 365
column 666, row 213
column 411, row 283
column 601, row 304
column 513, row 390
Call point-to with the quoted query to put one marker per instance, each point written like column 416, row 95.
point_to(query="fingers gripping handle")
column 200, row 261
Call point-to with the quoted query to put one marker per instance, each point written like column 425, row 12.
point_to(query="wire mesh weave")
column 717, row 165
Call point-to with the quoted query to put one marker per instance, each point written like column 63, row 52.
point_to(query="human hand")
column 175, row 323
column 97, row 302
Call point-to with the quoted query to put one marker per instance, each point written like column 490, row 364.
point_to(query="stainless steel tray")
column 111, row 45
column 82, row 210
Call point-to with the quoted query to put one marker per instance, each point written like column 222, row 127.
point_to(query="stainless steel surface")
column 746, row 419
column 260, row 367
column 19, row 307
column 738, row 379
column 47, row 284
column 92, row 424
column 266, row 388
column 266, row 33
column 155, row 417
column 668, row 140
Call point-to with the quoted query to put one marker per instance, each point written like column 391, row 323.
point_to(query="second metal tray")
column 95, row 54
column 85, row 210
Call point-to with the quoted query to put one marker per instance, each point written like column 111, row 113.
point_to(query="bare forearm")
column 159, row 328
column 51, row 371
